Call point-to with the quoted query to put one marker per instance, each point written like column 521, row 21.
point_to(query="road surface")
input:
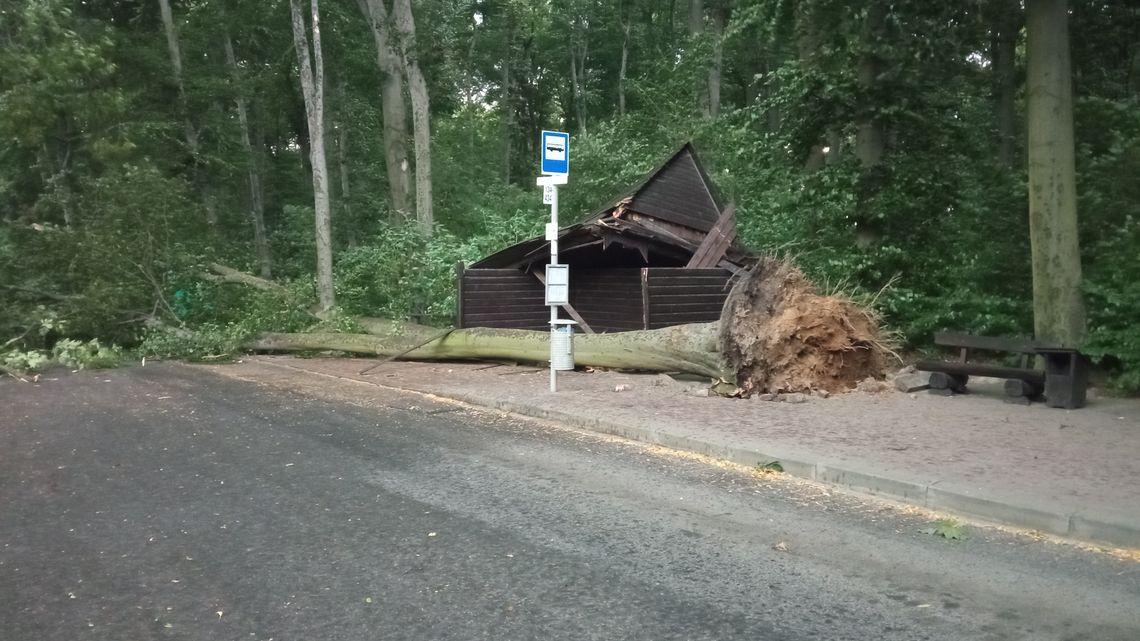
column 171, row 502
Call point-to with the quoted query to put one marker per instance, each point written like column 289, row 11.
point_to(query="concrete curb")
column 928, row 495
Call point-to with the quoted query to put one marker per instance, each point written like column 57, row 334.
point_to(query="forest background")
column 355, row 150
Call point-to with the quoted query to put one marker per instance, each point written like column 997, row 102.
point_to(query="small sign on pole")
column 555, row 152
column 548, row 195
column 557, row 285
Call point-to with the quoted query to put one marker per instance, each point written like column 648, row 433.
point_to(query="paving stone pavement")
column 1074, row 473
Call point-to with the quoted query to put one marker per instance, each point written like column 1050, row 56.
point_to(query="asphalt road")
column 169, row 502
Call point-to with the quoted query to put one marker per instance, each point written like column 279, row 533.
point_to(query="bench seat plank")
column 980, row 369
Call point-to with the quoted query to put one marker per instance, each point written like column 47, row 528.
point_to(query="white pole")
column 553, row 261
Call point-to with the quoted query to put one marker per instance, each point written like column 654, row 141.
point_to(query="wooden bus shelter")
column 663, row 253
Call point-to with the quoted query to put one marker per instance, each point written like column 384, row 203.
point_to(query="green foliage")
column 103, row 204
column 68, row 353
column 948, row 529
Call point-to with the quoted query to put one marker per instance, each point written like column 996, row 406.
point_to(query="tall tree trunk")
column 392, row 108
column 508, row 108
column 1005, row 24
column 421, row 112
column 808, row 39
column 625, row 28
column 1058, row 311
column 870, row 138
column 190, row 133
column 576, row 83
column 342, row 164
column 716, row 65
column 256, row 199
column 312, row 87
column 696, row 28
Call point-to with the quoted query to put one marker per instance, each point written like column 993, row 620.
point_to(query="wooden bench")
column 1062, row 382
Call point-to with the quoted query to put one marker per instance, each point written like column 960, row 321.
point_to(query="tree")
column 253, row 172
column 392, row 103
column 190, row 132
column 1058, row 311
column 1005, row 23
column 421, row 111
column 312, row 87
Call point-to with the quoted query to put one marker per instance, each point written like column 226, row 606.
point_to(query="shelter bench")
column 1062, row 382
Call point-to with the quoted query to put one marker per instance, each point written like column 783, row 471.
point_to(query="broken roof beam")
column 717, row 241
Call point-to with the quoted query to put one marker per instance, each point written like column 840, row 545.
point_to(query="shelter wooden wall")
column 610, row 300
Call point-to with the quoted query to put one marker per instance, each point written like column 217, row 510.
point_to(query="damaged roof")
column 668, row 213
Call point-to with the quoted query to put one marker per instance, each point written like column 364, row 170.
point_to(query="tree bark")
column 1005, row 24
column 312, row 86
column 507, row 108
column 342, row 164
column 807, row 49
column 421, row 112
column 716, row 65
column 682, row 348
column 625, row 28
column 393, row 111
column 189, row 131
column 1058, row 311
column 256, row 195
column 870, row 139
column 577, row 93
column 696, row 28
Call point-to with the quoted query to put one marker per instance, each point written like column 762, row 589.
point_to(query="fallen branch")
column 223, row 274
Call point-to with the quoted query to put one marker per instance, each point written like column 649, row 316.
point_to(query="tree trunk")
column 507, row 109
column 1058, row 311
column 256, row 195
column 625, row 28
column 807, row 49
column 392, row 108
column 342, row 165
column 190, row 133
column 312, row 86
column 870, row 139
column 682, row 348
column 716, row 65
column 696, row 28
column 421, row 112
column 577, row 92
column 1006, row 23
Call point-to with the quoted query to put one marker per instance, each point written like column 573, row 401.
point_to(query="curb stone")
column 927, row 495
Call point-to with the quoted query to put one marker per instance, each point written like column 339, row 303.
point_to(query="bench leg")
column 1016, row 387
column 955, row 383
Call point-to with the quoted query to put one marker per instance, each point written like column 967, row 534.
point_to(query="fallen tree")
column 776, row 334
column 682, row 348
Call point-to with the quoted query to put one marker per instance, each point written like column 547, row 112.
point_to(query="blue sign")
column 555, row 152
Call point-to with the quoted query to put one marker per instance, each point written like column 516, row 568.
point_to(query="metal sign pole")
column 553, row 261
column 555, row 153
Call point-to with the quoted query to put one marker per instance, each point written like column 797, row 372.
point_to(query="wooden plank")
column 687, row 298
column 981, row 369
column 717, row 241
column 989, row 343
column 645, row 298
column 459, row 295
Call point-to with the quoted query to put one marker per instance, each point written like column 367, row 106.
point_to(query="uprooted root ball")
column 779, row 335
